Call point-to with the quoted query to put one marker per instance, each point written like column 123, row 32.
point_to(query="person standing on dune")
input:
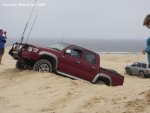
column 147, row 49
column 2, row 43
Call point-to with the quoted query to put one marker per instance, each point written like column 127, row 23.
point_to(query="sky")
column 94, row 19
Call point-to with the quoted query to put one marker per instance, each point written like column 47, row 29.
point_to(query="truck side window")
column 77, row 53
column 90, row 57
column 135, row 64
column 139, row 65
column 148, row 65
column 144, row 66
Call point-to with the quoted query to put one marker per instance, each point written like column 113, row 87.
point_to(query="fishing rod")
column 22, row 37
column 31, row 28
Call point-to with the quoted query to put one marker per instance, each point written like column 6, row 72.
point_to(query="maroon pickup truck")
column 65, row 59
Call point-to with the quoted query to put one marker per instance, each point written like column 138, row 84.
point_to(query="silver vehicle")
column 138, row 68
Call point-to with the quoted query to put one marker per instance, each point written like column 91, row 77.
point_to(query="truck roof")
column 145, row 62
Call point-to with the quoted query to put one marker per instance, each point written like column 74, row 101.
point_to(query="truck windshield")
column 59, row 46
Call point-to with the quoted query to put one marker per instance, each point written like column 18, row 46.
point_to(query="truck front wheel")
column 20, row 65
column 43, row 65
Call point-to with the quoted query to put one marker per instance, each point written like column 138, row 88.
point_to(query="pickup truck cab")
column 65, row 59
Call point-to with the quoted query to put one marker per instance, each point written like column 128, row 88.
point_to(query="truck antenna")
column 22, row 37
column 31, row 28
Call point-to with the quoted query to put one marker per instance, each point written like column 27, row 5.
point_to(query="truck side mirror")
column 68, row 51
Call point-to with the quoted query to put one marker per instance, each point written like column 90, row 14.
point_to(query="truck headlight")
column 14, row 47
column 35, row 50
column 20, row 47
column 30, row 49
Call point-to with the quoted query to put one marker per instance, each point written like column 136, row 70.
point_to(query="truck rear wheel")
column 103, row 80
column 43, row 65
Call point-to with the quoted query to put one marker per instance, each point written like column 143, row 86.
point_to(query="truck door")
column 89, row 67
column 69, row 63
column 136, row 67
column 79, row 63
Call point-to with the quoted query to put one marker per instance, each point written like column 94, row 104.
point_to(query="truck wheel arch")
column 51, row 57
column 102, row 77
column 128, row 71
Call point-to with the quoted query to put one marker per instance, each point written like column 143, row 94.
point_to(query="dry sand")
column 33, row 92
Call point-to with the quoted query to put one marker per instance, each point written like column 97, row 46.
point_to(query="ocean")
column 97, row 45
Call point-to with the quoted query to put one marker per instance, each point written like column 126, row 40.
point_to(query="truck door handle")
column 93, row 68
column 78, row 62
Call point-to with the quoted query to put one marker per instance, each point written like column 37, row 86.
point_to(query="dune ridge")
column 32, row 92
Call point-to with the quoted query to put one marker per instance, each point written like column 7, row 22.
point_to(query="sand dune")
column 33, row 92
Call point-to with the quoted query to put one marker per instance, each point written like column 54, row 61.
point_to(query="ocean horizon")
column 103, row 46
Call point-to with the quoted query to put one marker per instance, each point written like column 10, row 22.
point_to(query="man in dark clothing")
column 2, row 43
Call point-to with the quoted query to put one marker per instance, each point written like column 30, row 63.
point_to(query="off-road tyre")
column 20, row 65
column 128, row 71
column 43, row 65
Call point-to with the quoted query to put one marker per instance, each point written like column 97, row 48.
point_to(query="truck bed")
column 114, row 76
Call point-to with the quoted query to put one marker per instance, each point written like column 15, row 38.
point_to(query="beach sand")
column 33, row 92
